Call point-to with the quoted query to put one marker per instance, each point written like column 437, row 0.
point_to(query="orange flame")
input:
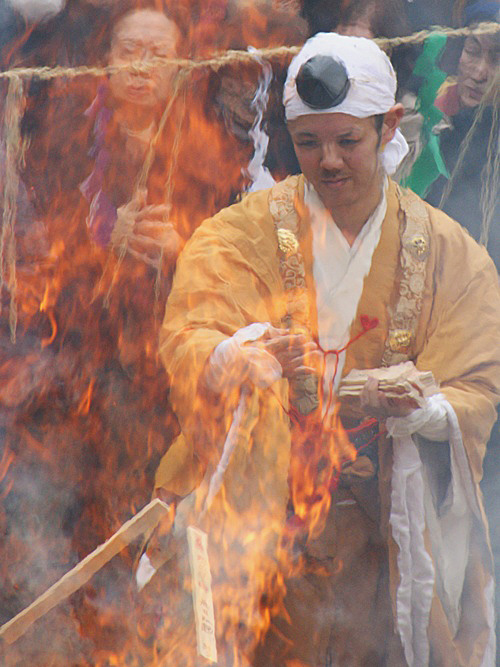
column 87, row 400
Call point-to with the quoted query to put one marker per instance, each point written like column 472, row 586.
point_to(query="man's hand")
column 297, row 353
column 376, row 404
column 146, row 232
column 152, row 236
column 262, row 354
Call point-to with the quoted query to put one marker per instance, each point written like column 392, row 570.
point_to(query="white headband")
column 371, row 91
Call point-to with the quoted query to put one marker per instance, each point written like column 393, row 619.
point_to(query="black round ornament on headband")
column 322, row 82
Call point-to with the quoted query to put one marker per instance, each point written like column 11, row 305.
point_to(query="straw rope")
column 150, row 155
column 169, row 184
column 15, row 146
column 230, row 57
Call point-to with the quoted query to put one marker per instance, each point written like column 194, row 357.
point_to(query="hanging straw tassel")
column 123, row 230
column 491, row 174
column 14, row 106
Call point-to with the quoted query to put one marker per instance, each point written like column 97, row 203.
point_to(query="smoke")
column 259, row 174
column 39, row 550
column 38, row 10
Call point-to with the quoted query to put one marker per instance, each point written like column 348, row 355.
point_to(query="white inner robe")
column 339, row 271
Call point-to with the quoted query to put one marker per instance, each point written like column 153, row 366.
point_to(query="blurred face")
column 142, row 35
column 338, row 154
column 234, row 100
column 477, row 67
column 361, row 25
column 361, row 28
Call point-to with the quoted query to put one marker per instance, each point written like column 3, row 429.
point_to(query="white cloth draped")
column 416, row 504
column 339, row 271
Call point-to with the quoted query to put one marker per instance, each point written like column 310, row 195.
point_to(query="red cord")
column 302, row 421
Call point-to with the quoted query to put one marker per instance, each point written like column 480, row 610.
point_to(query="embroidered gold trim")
column 419, row 246
column 415, row 249
column 304, row 390
column 287, row 242
column 399, row 340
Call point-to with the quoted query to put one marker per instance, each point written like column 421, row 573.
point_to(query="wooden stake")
column 144, row 520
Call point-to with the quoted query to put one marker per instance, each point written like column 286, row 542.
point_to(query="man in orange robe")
column 385, row 556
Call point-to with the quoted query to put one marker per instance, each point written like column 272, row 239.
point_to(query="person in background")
column 377, row 18
column 381, row 18
column 233, row 88
column 422, row 14
column 126, row 113
column 386, row 18
column 469, row 102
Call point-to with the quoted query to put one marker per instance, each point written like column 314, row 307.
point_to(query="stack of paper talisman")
column 402, row 380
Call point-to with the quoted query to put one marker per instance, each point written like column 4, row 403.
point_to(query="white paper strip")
column 202, row 593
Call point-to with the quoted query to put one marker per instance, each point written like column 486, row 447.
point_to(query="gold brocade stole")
column 303, row 391
column 415, row 248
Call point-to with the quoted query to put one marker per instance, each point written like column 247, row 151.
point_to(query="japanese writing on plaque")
column 202, row 593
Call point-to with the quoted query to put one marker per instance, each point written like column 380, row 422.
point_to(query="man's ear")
column 392, row 119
